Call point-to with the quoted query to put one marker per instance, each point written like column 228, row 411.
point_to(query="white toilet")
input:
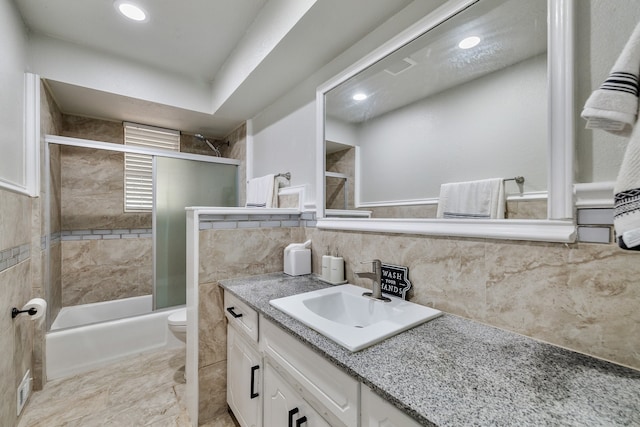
column 178, row 324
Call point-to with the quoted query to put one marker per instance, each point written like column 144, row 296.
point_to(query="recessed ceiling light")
column 469, row 42
column 131, row 11
column 359, row 97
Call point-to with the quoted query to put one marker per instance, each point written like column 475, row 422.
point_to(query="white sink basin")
column 343, row 315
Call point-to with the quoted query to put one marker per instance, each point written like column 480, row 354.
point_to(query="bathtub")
column 90, row 336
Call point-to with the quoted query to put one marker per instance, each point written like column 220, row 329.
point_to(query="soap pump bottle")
column 337, row 268
column 326, row 266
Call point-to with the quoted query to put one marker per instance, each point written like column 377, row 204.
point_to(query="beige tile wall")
column 92, row 129
column 92, row 197
column 50, row 124
column 105, row 270
column 93, row 191
column 221, row 257
column 342, row 161
column 16, row 335
column 580, row 296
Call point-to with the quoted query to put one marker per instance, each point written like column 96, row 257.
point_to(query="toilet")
column 178, row 324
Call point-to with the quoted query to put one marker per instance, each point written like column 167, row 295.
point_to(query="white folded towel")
column 260, row 192
column 473, row 199
column 614, row 106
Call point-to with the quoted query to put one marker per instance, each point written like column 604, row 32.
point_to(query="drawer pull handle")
column 291, row 414
column 233, row 313
column 301, row 421
column 253, row 395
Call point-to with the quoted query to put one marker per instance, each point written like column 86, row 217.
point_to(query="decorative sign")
column 395, row 280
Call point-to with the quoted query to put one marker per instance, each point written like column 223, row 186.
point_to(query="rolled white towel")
column 614, row 105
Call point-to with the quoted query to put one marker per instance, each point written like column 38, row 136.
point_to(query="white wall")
column 344, row 133
column 69, row 63
column 293, row 115
column 603, row 28
column 287, row 145
column 13, row 45
column 494, row 126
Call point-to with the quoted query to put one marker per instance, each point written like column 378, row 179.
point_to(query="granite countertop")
column 452, row 371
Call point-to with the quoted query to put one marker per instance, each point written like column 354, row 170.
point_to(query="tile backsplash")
column 580, row 296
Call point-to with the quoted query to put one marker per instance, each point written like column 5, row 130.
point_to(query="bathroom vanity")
column 448, row 371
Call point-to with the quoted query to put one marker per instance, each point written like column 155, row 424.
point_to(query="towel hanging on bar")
column 262, row 192
column 482, row 199
column 614, row 105
column 614, row 108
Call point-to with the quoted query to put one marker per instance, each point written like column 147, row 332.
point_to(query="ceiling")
column 208, row 42
column 511, row 31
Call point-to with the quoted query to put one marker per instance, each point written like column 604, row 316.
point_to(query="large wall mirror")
column 478, row 89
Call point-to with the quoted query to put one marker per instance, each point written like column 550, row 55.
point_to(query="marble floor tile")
column 144, row 390
column 225, row 420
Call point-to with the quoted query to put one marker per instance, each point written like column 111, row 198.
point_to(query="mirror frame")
column 559, row 225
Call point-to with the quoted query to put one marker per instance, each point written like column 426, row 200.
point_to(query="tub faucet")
column 376, row 277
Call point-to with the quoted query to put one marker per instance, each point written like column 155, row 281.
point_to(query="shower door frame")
column 87, row 143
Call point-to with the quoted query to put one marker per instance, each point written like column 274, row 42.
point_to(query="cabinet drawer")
column 377, row 412
column 243, row 317
column 284, row 407
column 331, row 392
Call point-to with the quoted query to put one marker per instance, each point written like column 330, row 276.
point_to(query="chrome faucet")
column 376, row 277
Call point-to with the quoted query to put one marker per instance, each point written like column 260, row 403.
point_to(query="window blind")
column 138, row 168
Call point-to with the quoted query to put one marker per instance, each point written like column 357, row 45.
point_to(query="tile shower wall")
column 105, row 267
column 51, row 123
column 103, row 257
column 92, row 199
column 261, row 251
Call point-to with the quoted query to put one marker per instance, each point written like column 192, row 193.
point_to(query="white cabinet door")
column 284, row 407
column 377, row 412
column 244, row 379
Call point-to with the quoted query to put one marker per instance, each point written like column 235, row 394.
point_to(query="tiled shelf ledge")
column 234, row 218
column 13, row 256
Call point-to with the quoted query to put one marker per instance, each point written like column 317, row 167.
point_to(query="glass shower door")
column 180, row 183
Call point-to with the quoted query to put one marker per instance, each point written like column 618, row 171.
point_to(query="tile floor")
column 145, row 390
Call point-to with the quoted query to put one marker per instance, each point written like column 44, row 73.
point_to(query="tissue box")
column 297, row 262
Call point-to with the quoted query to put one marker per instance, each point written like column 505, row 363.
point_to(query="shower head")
column 202, row 138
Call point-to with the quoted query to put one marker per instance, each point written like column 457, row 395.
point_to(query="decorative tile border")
column 13, row 256
column 119, row 233
column 228, row 222
column 54, row 239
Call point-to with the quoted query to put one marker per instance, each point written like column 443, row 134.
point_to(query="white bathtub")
column 86, row 337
